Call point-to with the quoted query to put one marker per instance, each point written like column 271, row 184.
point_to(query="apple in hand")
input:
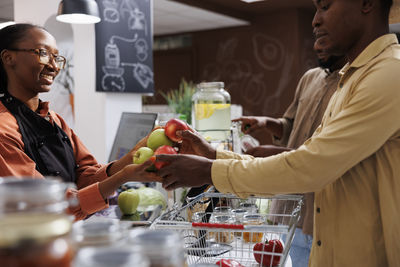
column 158, row 138
column 162, row 150
column 128, row 201
column 174, row 125
column 142, row 154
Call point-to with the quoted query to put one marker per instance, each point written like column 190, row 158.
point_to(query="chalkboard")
column 124, row 58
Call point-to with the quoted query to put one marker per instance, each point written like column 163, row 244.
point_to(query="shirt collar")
column 371, row 51
column 43, row 108
column 374, row 49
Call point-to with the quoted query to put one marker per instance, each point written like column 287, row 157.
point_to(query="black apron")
column 45, row 143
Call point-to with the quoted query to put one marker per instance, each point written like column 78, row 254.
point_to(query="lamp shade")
column 78, row 11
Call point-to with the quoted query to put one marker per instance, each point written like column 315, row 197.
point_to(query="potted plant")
column 180, row 100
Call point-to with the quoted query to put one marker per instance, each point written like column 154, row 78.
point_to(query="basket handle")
column 219, row 225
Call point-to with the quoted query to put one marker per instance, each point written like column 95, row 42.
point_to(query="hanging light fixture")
column 78, row 11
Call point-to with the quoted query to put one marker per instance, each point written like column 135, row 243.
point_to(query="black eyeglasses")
column 45, row 56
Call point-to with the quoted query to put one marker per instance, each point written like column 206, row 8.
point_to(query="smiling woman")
column 35, row 141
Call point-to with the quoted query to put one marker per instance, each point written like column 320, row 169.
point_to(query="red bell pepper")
column 228, row 263
column 274, row 246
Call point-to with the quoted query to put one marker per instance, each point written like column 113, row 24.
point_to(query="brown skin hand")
column 185, row 170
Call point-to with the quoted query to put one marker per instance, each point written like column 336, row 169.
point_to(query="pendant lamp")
column 78, row 11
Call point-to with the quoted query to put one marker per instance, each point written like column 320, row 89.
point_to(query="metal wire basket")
column 218, row 227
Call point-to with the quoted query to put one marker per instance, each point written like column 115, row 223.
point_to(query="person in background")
column 298, row 123
column 351, row 162
column 35, row 141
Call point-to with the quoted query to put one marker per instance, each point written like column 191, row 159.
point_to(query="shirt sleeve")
column 290, row 114
column 365, row 122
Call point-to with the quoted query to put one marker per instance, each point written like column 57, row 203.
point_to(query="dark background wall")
column 260, row 64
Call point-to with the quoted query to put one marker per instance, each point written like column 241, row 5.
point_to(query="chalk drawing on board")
column 141, row 49
column 136, row 18
column 142, row 73
column 110, row 12
column 123, row 47
column 112, row 79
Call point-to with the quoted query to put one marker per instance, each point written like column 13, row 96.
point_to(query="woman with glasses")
column 34, row 140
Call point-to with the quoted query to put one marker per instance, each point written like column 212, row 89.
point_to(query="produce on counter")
column 228, row 263
column 172, row 126
column 128, row 201
column 142, row 199
column 150, row 197
column 273, row 246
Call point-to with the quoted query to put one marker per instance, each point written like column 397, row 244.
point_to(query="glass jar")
column 253, row 219
column 222, row 235
column 110, row 256
column 99, row 233
column 34, row 228
column 211, row 111
column 163, row 248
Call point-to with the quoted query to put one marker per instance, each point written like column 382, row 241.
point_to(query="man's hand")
column 194, row 143
column 266, row 150
column 252, row 124
column 184, row 170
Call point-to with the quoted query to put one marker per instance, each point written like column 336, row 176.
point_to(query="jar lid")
column 223, row 218
column 36, row 227
column 109, row 256
column 87, row 233
column 211, row 85
column 253, row 217
column 31, row 194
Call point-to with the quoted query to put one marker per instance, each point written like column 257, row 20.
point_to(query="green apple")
column 158, row 138
column 128, row 201
column 142, row 154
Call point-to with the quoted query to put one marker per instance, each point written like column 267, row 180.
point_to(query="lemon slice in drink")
column 204, row 111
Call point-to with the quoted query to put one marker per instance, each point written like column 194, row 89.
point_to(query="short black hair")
column 386, row 5
column 9, row 37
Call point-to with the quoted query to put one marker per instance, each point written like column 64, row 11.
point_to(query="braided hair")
column 9, row 38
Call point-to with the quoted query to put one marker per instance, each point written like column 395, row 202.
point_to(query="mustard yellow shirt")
column 352, row 163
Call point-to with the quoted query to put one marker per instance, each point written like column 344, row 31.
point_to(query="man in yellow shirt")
column 352, row 162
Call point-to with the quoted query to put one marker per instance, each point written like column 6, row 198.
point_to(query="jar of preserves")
column 253, row 219
column 34, row 228
column 211, row 111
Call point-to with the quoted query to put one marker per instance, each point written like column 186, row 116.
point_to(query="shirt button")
column 318, row 210
column 319, row 243
column 40, row 144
